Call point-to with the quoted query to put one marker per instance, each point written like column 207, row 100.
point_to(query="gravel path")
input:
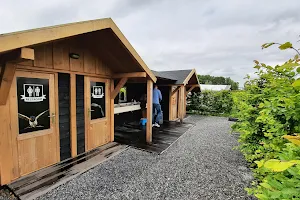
column 5, row 194
column 200, row 165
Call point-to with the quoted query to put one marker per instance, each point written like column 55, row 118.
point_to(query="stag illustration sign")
column 33, row 104
column 97, row 100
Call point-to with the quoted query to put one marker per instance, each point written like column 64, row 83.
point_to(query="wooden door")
column 97, row 112
column 33, row 115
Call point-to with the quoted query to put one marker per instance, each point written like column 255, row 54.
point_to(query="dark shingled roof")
column 177, row 75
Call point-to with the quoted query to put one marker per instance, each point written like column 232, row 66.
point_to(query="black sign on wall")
column 97, row 100
column 33, row 104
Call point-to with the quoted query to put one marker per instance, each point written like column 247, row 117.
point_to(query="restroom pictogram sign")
column 33, row 93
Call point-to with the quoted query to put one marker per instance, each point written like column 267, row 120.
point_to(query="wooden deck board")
column 39, row 182
column 133, row 135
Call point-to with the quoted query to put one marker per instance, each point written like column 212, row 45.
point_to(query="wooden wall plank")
column 13, row 102
column 6, row 161
column 73, row 128
column 76, row 64
column 89, row 62
column 149, row 110
column 100, row 66
column 107, row 70
column 44, row 56
column 61, row 55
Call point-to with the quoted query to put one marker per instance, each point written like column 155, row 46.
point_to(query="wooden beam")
column 7, row 78
column 190, row 89
column 17, row 56
column 186, row 80
column 169, row 85
column 190, row 85
column 174, row 91
column 116, row 91
column 73, row 125
column 149, row 111
column 130, row 75
column 112, row 115
column 27, row 54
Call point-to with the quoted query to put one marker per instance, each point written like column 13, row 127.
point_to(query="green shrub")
column 268, row 110
column 210, row 103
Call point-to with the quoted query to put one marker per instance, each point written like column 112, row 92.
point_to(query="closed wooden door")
column 33, row 116
column 97, row 112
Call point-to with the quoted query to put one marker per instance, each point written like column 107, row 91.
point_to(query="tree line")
column 218, row 80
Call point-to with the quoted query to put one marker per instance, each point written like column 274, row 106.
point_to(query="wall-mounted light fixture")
column 74, row 55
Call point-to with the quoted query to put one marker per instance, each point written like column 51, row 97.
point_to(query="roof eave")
column 36, row 36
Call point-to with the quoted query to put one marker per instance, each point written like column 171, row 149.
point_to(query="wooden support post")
column 112, row 115
column 116, row 91
column 170, row 103
column 181, row 103
column 149, row 110
column 73, row 133
column 7, row 78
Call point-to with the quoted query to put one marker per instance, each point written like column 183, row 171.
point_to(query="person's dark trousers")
column 156, row 113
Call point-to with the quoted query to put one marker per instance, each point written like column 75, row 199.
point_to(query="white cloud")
column 220, row 38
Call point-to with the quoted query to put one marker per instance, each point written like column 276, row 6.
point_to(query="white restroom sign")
column 98, row 92
column 33, row 93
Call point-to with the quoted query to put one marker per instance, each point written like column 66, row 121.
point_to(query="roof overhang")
column 26, row 38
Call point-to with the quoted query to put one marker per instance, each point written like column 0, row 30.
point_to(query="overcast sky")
column 220, row 38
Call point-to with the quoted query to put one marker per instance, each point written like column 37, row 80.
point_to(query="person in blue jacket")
column 157, row 97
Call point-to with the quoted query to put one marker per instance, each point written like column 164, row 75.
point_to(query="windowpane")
column 97, row 100
column 33, row 104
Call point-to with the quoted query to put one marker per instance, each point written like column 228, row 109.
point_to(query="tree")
column 218, row 80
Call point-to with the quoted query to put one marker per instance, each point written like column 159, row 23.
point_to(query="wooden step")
column 40, row 182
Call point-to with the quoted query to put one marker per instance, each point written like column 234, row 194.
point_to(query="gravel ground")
column 5, row 194
column 200, row 165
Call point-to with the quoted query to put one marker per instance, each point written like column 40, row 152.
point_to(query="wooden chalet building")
column 60, row 93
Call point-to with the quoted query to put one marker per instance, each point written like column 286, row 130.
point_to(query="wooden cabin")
column 175, row 85
column 59, row 92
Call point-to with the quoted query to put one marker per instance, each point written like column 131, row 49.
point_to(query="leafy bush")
column 268, row 112
column 210, row 103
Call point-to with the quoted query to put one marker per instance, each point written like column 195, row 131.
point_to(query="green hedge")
column 210, row 103
column 269, row 121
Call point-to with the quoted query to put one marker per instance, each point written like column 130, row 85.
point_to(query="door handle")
column 89, row 111
column 52, row 117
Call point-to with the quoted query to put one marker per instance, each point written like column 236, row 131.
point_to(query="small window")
column 33, row 104
column 123, row 95
column 97, row 100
